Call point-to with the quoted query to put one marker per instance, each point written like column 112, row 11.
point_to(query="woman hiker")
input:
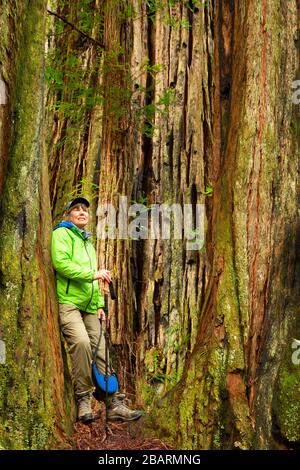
column 81, row 306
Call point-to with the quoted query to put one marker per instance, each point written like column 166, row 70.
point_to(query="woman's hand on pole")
column 103, row 275
column 101, row 314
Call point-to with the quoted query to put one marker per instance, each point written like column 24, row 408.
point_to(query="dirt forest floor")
column 120, row 436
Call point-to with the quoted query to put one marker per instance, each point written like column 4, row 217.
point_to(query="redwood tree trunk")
column 239, row 383
column 33, row 401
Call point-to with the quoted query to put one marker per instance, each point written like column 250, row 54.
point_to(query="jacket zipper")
column 92, row 281
column 68, row 285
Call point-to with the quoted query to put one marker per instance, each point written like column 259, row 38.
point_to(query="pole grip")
column 105, row 290
column 112, row 291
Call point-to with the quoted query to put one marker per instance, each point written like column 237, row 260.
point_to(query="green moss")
column 287, row 403
column 164, row 422
column 28, row 380
column 154, row 364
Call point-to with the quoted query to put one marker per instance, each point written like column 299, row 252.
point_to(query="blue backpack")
column 107, row 383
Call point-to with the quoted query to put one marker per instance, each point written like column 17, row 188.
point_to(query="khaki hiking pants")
column 81, row 331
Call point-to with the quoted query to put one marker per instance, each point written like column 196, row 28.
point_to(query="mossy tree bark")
column 34, row 396
column 212, row 107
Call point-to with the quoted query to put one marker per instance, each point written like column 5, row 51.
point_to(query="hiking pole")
column 108, row 287
column 105, row 290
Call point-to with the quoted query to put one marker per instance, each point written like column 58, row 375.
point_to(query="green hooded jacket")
column 74, row 260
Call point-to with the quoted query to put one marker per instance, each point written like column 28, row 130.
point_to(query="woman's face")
column 79, row 215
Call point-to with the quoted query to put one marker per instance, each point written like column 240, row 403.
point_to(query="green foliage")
column 142, row 199
column 91, row 188
column 144, row 115
column 208, row 191
column 155, row 362
column 65, row 80
column 86, row 14
column 196, row 4
column 166, row 10
column 54, row 76
column 73, row 89
column 152, row 69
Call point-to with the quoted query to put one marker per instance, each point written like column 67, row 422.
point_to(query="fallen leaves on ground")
column 117, row 436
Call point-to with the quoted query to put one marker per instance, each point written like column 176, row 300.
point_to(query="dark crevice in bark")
column 226, row 36
column 188, row 153
column 170, row 149
column 136, row 273
column 193, row 201
column 191, row 9
column 80, row 162
column 55, row 164
column 143, row 181
column 157, row 308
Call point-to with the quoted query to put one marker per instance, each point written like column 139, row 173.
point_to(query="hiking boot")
column 118, row 411
column 122, row 398
column 85, row 414
column 100, row 396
